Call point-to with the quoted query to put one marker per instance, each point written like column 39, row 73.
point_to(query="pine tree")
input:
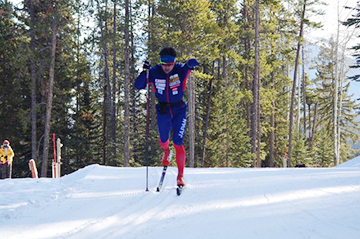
column 13, row 90
column 354, row 20
column 325, row 91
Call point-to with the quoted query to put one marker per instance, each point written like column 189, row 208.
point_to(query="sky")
column 330, row 23
column 330, row 19
column 106, row 202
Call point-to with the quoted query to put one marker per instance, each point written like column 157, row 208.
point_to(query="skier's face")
column 167, row 67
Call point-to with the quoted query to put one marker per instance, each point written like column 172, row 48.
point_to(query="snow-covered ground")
column 111, row 202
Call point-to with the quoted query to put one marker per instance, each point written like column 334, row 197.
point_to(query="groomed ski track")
column 111, row 202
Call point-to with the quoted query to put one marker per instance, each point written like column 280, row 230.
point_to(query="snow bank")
column 111, row 202
column 355, row 162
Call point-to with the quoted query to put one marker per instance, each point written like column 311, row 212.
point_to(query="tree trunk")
column 255, row 133
column 104, row 126
column 248, row 82
column 226, row 141
column 191, row 106
column 126, row 89
column 107, row 82
column 304, row 91
column 272, row 125
column 207, row 117
column 107, row 92
column 113, row 97
column 149, row 97
column 336, row 99
column 311, row 143
column 49, row 97
column 33, row 83
column 294, row 85
column 299, row 103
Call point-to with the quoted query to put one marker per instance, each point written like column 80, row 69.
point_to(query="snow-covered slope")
column 111, row 202
column 355, row 162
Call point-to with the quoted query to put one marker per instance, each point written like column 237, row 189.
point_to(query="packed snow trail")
column 111, row 202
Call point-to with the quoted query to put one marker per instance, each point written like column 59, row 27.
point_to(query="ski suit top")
column 6, row 154
column 169, row 88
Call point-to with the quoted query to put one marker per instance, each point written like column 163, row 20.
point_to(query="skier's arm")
column 140, row 82
column 191, row 63
column 187, row 67
column 10, row 155
column 2, row 155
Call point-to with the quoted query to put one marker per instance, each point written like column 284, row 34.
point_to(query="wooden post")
column 32, row 166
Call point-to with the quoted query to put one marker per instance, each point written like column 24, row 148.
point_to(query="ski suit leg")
column 165, row 147
column 3, row 170
column 7, row 174
column 180, row 161
column 164, row 127
column 179, row 124
column 179, row 127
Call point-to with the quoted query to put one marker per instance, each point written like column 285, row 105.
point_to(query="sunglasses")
column 167, row 64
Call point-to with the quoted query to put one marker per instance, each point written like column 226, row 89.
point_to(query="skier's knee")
column 179, row 148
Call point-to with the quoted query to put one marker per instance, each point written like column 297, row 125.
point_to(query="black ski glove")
column 146, row 66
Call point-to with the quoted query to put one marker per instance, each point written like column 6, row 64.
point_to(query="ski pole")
column 147, row 129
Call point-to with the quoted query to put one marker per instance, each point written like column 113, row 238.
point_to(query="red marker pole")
column 54, row 163
column 34, row 172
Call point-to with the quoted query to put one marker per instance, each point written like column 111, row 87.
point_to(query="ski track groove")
column 127, row 216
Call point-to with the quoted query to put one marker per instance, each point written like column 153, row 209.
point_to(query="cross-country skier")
column 6, row 158
column 168, row 80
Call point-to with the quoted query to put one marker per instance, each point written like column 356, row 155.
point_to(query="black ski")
column 179, row 190
column 163, row 174
column 162, row 179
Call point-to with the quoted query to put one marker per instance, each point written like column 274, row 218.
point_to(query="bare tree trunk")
column 255, row 134
column 299, row 103
column 106, row 70
column 33, row 83
column 294, row 85
column 49, row 97
column 247, row 46
column 191, row 106
column 113, row 97
column 304, row 91
column 272, row 125
column 246, row 71
column 336, row 93
column 311, row 143
column 107, row 82
column 126, row 88
column 107, row 104
column 133, row 91
column 342, row 74
column 105, row 126
column 207, row 117
column 147, row 126
column 226, row 145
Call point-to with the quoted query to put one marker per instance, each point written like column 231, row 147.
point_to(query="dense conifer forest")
column 68, row 67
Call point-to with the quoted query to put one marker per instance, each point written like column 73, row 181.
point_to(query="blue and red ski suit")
column 171, row 110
